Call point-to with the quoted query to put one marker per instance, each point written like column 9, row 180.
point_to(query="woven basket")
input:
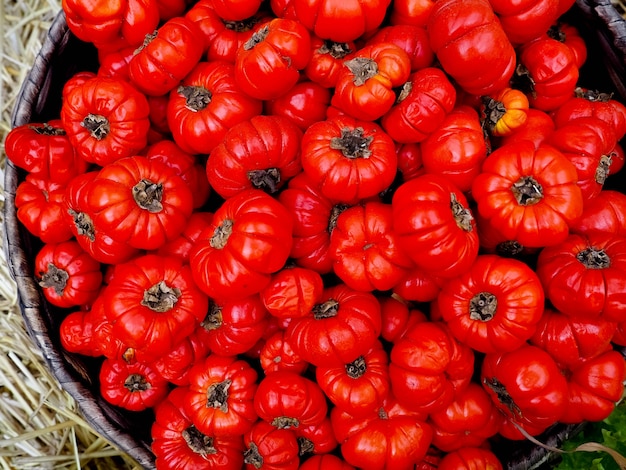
column 61, row 56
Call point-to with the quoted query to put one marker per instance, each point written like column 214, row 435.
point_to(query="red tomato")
column 339, row 20
column 235, row 10
column 177, row 363
column 278, row 354
column 470, row 458
column 530, row 194
column 527, row 386
column 469, row 42
column 547, row 72
column 397, row 317
column 139, row 201
column 412, row 39
column 327, row 60
column 94, row 241
column 339, row 329
column 262, row 152
column 391, row 437
column 177, row 443
column 584, row 276
column 495, row 306
column 409, row 160
column 425, row 100
column 287, row 400
column 248, row 240
column 40, row 205
column 153, row 303
column 456, row 148
column 68, row 276
column 76, row 332
column 317, row 439
column 365, row 86
column 570, row 340
column 206, row 105
column 419, row 286
column 523, row 21
column 220, row 396
column 269, row 63
column 538, row 126
column 505, row 111
column 468, row 421
column 429, row 367
column 348, row 159
column 364, row 248
column 444, row 242
column 411, row 12
column 305, row 104
column 166, row 56
column 569, row 34
column 134, row 387
column 183, row 244
column 234, row 326
column 44, row 150
column 185, row 165
column 292, row 292
column 270, row 448
column 325, row 462
column 114, row 64
column 105, row 119
column 605, row 213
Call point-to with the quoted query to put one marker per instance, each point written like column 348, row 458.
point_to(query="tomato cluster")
column 330, row 234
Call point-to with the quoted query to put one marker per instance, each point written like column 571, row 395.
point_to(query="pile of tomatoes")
column 332, row 234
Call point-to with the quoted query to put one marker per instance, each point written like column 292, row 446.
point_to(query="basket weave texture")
column 61, row 56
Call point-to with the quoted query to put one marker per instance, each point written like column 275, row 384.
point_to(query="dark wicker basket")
column 61, row 56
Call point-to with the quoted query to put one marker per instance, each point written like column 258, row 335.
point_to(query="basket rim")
column 30, row 298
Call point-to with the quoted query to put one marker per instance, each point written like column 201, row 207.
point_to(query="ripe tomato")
column 269, row 63
column 139, row 201
column 220, row 397
column 538, row 126
column 426, row 98
column 278, row 354
column 360, row 386
column 475, row 458
column 68, row 276
column 530, row 194
column 175, row 365
column 469, row 42
column 235, row 10
column 135, row 386
column 270, row 447
column 177, row 443
column 584, row 276
column 604, row 213
column 105, row 119
column 365, row 86
column 445, row 242
column 412, row 12
column 340, row 21
column 495, row 306
column 348, row 159
column 40, row 205
column 390, row 437
column 343, row 326
column 44, row 150
column 409, row 160
column 429, row 367
column 527, row 386
column 327, row 60
column 505, row 111
column 569, row 34
column 412, row 39
column 526, row 20
column 76, row 332
column 206, row 105
column 305, row 103
column 325, row 462
column 292, row 292
column 397, row 317
column 248, row 240
column 167, row 55
column 262, row 152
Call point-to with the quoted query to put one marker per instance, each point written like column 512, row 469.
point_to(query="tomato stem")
column 221, row 234
column 594, row 258
column 337, row 50
column 527, row 191
column 603, row 169
column 493, row 111
column 266, row 180
column 196, row 97
column 136, row 383
column 334, row 214
column 47, row 129
column 462, row 215
column 502, row 395
column 483, row 306
column 592, row 95
column 352, row 143
column 326, row 309
column 55, row 278
column 382, row 413
column 148, row 195
column 198, row 442
column 405, row 91
column 252, row 456
column 509, row 248
column 356, row 368
column 84, row 224
column 97, row 125
column 241, row 26
column 305, row 446
column 160, row 297
column 285, row 422
column 217, row 395
column 148, row 38
column 363, row 68
column 213, row 319
column 256, row 38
